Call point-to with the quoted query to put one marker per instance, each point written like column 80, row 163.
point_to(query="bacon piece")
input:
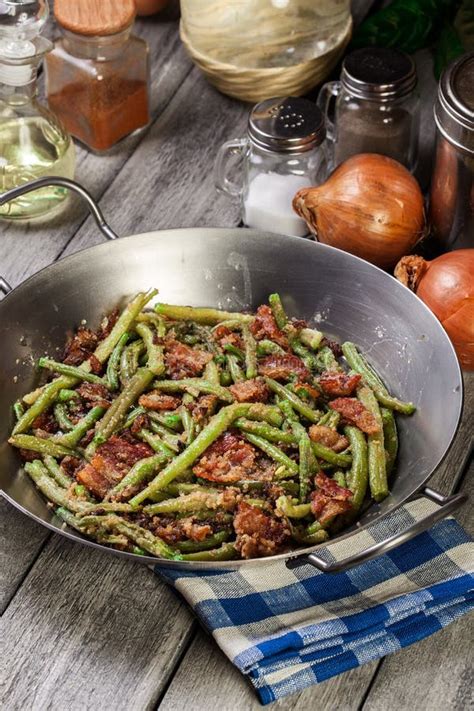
column 254, row 390
column 354, row 413
column 329, row 499
column 107, row 324
column 110, row 463
column 95, row 394
column 227, row 460
column 258, row 534
column 46, row 423
column 70, row 465
column 328, row 437
column 336, row 384
column 224, row 336
column 312, row 391
column 281, row 367
column 156, row 400
column 265, row 326
column 173, row 530
column 203, row 407
column 79, row 346
column 96, row 365
column 333, row 345
column 141, row 422
column 182, row 361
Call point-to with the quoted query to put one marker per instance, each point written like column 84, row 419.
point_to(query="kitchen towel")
column 287, row 629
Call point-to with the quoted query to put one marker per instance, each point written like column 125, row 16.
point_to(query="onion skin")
column 370, row 206
column 149, row 7
column 446, row 285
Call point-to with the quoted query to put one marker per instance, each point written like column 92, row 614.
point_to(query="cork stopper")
column 94, row 17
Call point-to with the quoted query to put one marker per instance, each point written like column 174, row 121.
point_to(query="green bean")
column 286, row 408
column 208, row 317
column 69, row 518
column 309, row 359
column 55, row 493
column 340, row 479
column 227, row 551
column 18, row 410
column 40, row 445
column 216, row 426
column 171, row 440
column 390, row 437
column 329, row 455
column 70, row 371
column 141, row 471
column 250, row 352
column 304, row 537
column 294, row 400
column 291, row 508
column 258, row 503
column 125, row 320
column 233, row 350
column 278, row 311
column 326, row 360
column 105, row 507
column 156, row 443
column 45, row 398
column 225, row 378
column 114, row 362
column 211, row 541
column 195, row 501
column 72, row 438
column 62, row 417
column 66, row 395
column 262, row 429
column 132, row 416
column 266, row 347
column 313, row 527
column 56, row 472
column 155, row 361
column 358, row 476
column 307, row 466
column 235, row 370
column 129, row 360
column 273, row 452
column 361, row 366
column 155, row 319
column 198, row 384
column 31, row 397
column 311, row 338
column 188, row 424
column 267, row 413
column 141, row 536
column 114, row 415
column 171, row 421
column 211, row 373
column 377, row 462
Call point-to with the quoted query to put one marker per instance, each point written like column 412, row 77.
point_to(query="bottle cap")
column 454, row 108
column 21, row 48
column 95, row 17
column 378, row 74
column 286, row 125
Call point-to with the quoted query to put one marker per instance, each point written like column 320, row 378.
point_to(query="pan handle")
column 94, row 209
column 448, row 504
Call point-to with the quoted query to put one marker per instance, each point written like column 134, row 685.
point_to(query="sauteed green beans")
column 198, row 434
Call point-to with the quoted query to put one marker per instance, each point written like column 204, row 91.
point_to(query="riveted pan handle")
column 94, row 209
column 447, row 505
column 5, row 287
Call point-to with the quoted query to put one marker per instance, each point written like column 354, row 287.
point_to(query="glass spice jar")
column 97, row 76
column 376, row 106
column 284, row 150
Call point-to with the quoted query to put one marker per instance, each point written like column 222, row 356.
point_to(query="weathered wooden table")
column 83, row 630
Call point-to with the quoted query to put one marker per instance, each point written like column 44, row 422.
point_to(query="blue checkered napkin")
column 288, row 629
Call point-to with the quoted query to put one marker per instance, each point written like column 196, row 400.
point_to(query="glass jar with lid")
column 452, row 186
column 284, row 150
column 376, row 106
column 97, row 76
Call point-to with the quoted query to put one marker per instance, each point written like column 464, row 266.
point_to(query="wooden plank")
column 88, row 631
column 27, row 247
column 22, row 539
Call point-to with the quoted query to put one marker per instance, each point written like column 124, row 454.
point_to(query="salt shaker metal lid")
column 378, row 73
column 454, row 108
column 286, row 125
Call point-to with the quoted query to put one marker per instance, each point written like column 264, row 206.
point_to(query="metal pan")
column 237, row 269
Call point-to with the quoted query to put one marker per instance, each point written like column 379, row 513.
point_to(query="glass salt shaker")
column 284, row 150
column 376, row 106
column 97, row 76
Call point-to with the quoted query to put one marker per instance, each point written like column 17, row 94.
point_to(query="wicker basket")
column 249, row 84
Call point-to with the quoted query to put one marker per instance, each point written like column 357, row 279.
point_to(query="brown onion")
column 446, row 285
column 370, row 206
column 149, row 7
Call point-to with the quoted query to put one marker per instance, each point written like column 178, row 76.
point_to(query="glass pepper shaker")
column 97, row 76
column 376, row 106
column 284, row 150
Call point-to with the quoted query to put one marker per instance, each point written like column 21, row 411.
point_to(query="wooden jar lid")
column 95, row 17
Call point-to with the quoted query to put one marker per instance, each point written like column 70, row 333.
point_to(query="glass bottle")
column 376, row 107
column 283, row 151
column 33, row 143
column 97, row 76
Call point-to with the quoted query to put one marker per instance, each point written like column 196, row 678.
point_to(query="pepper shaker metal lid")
column 454, row 108
column 286, row 125
column 378, row 73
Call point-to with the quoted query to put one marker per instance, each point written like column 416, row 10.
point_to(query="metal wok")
column 237, row 269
